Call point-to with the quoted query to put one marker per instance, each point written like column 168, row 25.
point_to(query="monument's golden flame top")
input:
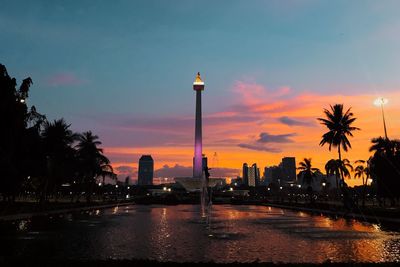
column 198, row 80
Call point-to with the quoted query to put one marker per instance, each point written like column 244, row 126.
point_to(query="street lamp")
column 379, row 102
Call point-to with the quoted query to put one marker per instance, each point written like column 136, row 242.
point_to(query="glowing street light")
column 324, row 184
column 379, row 102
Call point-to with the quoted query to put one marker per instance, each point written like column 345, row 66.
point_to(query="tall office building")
column 146, row 170
column 253, row 175
column 289, row 168
column 245, row 172
column 272, row 174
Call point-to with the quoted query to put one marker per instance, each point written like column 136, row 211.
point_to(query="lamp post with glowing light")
column 380, row 102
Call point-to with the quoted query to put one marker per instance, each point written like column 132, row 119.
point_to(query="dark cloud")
column 175, row 171
column 294, row 122
column 231, row 119
column 187, row 171
column 259, row 147
column 278, row 138
column 224, row 172
column 124, row 170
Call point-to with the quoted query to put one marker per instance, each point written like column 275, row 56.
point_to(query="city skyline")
column 269, row 75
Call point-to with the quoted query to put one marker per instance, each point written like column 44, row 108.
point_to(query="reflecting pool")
column 176, row 233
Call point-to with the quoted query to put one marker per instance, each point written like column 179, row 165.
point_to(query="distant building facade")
column 254, row 175
column 272, row 174
column 245, row 174
column 146, row 170
column 288, row 167
column 251, row 175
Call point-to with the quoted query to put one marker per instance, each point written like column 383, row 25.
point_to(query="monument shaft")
column 198, row 143
column 198, row 86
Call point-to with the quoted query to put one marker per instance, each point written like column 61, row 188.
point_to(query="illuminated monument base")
column 195, row 185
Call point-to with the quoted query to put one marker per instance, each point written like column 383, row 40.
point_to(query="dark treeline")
column 39, row 156
column 384, row 167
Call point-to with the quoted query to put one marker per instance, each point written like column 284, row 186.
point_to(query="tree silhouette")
column 340, row 127
column 12, row 135
column 37, row 154
column 339, row 167
column 58, row 140
column 92, row 162
column 384, row 167
column 307, row 172
column 362, row 171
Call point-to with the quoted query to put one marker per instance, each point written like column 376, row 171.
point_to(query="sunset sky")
column 124, row 69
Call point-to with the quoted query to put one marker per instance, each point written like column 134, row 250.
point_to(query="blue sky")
column 91, row 60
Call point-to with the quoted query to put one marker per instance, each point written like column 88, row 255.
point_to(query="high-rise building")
column 146, row 170
column 258, row 177
column 251, row 175
column 272, row 174
column 288, row 166
column 198, row 86
column 254, row 175
column 245, row 174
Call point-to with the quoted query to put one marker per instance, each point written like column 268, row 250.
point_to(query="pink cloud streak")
column 64, row 79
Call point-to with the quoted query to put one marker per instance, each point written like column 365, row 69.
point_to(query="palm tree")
column 12, row 135
column 92, row 161
column 384, row 167
column 338, row 167
column 362, row 171
column 57, row 141
column 332, row 168
column 307, row 174
column 384, row 145
column 345, row 168
column 340, row 127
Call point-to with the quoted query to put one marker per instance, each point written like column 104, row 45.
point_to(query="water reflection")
column 176, row 233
